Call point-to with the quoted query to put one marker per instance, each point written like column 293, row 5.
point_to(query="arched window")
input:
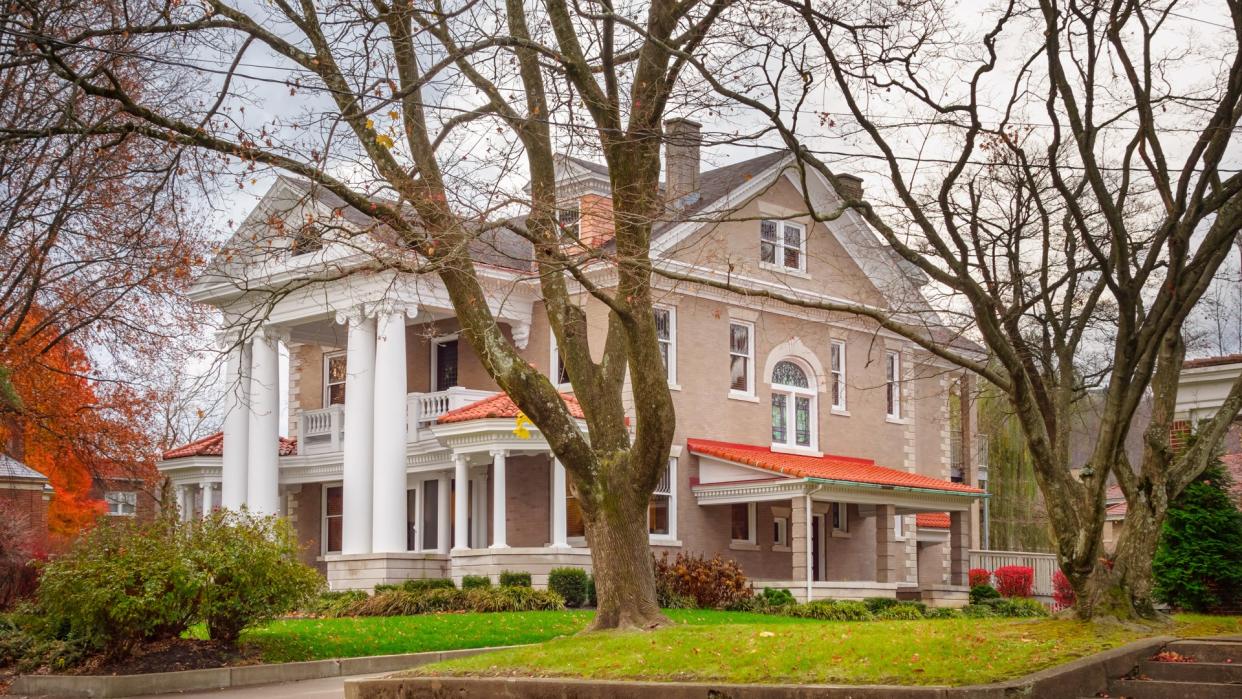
column 793, row 406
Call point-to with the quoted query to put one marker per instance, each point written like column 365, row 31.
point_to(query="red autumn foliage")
column 713, row 583
column 979, row 576
column 1014, row 581
column 1063, row 596
column 74, row 430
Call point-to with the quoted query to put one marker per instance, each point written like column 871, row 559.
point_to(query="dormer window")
column 568, row 217
column 309, row 238
column 782, row 245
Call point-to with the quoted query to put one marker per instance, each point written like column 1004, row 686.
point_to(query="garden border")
column 1078, row 678
column 226, row 677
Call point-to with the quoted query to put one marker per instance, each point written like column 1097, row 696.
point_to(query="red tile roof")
column 499, row 405
column 827, row 467
column 213, row 445
column 932, row 520
column 1212, row 361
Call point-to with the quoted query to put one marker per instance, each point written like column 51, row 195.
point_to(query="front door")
column 817, row 526
column 446, row 365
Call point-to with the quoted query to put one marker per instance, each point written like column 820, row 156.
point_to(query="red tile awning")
column 213, row 445
column 499, row 405
column 826, row 467
column 932, row 520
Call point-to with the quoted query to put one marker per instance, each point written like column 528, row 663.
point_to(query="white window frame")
column 779, row 265
column 780, row 533
column 841, row 527
column 836, row 375
column 892, row 385
column 327, row 357
column 749, row 393
column 118, row 500
column 554, row 364
column 431, row 359
column 899, row 527
column 671, row 536
column 751, row 517
column 670, row 371
column 793, row 392
column 323, row 516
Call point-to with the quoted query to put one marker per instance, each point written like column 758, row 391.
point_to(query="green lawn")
column 314, row 639
column 726, row 648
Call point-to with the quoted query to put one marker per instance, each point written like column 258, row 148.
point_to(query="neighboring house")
column 24, row 496
column 1201, row 390
column 815, row 449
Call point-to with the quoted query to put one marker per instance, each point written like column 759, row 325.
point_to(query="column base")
column 498, row 546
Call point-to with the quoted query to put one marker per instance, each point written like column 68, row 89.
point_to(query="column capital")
column 395, row 306
column 353, row 315
column 521, row 333
column 272, row 334
column 502, row 453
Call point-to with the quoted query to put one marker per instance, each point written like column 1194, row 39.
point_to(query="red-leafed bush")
column 1063, row 596
column 1014, row 581
column 979, row 576
column 710, row 583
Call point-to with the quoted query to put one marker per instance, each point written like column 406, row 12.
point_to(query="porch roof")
column 500, row 405
column 213, row 445
column 825, row 468
column 932, row 520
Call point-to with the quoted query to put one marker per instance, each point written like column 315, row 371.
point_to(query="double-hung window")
column 560, row 372
column 782, row 245
column 334, row 379
column 741, row 359
column 333, row 515
column 121, row 504
column 892, row 383
column 742, row 523
column 836, row 352
column 661, row 510
column 666, row 336
column 840, row 517
column 793, row 407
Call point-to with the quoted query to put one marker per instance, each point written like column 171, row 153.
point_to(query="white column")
column 498, row 500
column 442, row 513
column 183, row 504
column 262, row 484
column 208, row 498
column 388, row 533
column 559, row 539
column 461, row 491
column 358, row 448
column 236, row 427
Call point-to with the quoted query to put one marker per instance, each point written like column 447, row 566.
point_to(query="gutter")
column 899, row 488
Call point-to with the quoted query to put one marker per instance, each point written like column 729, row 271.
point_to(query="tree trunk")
column 622, row 563
column 1121, row 587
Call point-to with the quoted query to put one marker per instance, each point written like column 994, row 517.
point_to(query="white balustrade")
column 321, row 430
column 1044, row 565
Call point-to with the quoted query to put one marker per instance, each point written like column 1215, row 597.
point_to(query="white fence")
column 1043, row 563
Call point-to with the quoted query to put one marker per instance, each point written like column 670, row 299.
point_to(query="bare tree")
column 390, row 89
column 1060, row 175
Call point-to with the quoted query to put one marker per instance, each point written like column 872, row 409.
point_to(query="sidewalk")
column 327, row 688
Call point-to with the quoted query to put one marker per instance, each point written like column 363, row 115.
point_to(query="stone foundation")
column 536, row 561
column 363, row 571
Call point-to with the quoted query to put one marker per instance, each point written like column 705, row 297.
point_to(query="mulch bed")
column 170, row 656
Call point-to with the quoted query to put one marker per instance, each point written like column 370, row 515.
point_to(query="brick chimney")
column 682, row 140
column 849, row 186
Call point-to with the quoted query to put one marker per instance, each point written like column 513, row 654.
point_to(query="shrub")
column 514, row 598
column 334, row 603
column 121, row 583
column 511, row 578
column 977, row 611
column 830, row 610
column 672, row 600
column 1063, row 596
column 942, row 613
column 979, row 576
column 755, row 605
column 978, row 593
column 1014, row 581
column 878, row 604
column 25, row 650
column 713, row 583
column 474, row 582
column 591, row 591
column 251, row 567
column 777, row 597
column 421, row 584
column 900, row 612
column 1017, row 607
column 386, row 587
column 569, row 583
column 1198, row 563
column 500, row 599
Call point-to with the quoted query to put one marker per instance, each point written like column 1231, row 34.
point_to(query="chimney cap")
column 682, row 120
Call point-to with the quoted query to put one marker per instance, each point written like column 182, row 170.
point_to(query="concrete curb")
column 1079, row 678
column 226, row 677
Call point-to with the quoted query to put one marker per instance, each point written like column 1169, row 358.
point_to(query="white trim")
column 751, row 540
column 122, row 499
column 670, row 371
column 837, row 347
column 780, row 534
column 671, row 536
column 792, row 394
column 431, row 358
column 323, row 516
column 844, row 524
column 327, row 356
column 554, row 358
column 749, row 393
column 892, row 385
column 780, row 247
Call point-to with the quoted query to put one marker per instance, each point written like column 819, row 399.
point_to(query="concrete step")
column 1192, row 672
column 1209, row 651
column 1161, row 689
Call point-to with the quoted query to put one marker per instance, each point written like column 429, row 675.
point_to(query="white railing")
column 1044, row 564
column 321, row 430
column 324, row 430
column 423, row 408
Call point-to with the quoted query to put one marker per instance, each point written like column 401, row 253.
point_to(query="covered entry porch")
column 848, row 529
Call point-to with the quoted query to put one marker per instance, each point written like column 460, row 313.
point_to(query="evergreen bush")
column 1198, row 564
column 511, row 578
column 903, row 611
column 571, row 584
column 472, row 582
column 421, row 584
column 979, row 593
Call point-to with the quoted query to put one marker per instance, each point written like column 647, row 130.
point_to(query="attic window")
column 309, row 238
column 568, row 217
